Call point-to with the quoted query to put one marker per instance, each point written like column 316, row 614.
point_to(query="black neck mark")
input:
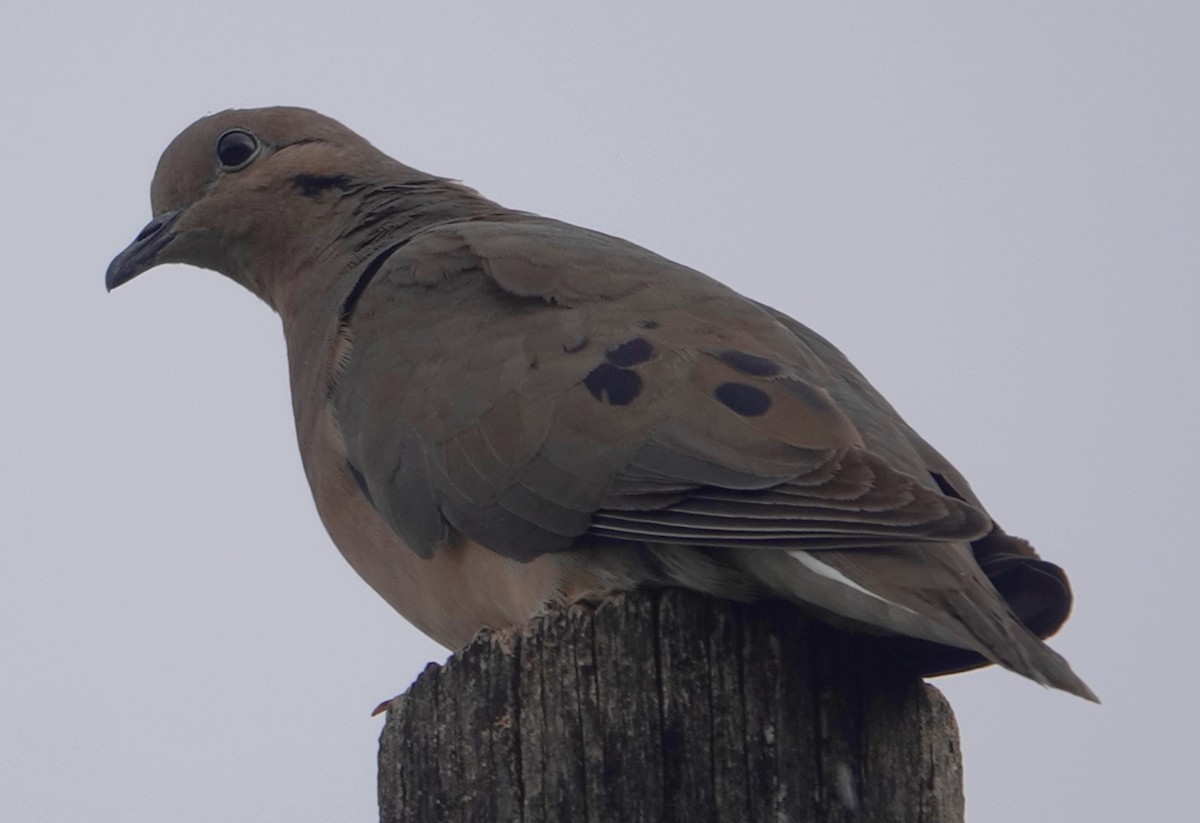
column 314, row 185
column 364, row 280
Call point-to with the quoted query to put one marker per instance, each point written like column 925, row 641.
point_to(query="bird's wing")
column 527, row 382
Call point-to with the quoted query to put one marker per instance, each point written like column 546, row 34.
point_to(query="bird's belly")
column 462, row 589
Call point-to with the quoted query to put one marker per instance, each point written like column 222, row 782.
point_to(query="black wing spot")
column 360, row 481
column 749, row 363
column 616, row 385
column 630, row 353
column 650, row 324
column 745, row 400
column 945, row 486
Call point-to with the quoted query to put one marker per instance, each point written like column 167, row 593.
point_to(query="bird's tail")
column 932, row 592
column 1001, row 638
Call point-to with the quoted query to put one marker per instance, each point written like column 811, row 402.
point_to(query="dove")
column 501, row 413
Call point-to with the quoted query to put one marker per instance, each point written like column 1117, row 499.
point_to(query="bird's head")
column 258, row 194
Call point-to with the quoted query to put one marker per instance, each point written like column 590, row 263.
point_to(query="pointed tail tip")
column 1054, row 672
column 1074, row 685
column 1031, row 657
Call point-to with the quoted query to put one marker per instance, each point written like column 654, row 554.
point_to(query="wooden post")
column 669, row 706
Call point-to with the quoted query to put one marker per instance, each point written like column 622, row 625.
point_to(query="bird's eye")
column 236, row 148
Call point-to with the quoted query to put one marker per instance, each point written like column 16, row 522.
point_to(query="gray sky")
column 992, row 211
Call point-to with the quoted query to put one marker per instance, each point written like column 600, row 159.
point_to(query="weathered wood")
column 668, row 706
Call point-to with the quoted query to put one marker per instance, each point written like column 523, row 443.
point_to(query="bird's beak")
column 142, row 254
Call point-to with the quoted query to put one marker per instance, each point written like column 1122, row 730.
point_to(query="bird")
column 499, row 413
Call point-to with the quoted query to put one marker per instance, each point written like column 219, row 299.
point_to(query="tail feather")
column 1004, row 640
column 931, row 592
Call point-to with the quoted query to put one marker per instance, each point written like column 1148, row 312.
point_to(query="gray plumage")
column 499, row 411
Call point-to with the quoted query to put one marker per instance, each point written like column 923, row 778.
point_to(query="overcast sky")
column 991, row 208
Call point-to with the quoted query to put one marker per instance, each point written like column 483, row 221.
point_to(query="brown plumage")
column 498, row 411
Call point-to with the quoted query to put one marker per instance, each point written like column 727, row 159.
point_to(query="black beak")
column 142, row 253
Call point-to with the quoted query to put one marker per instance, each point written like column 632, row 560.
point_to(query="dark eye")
column 236, row 148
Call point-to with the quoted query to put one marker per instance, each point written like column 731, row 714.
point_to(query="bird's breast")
column 459, row 590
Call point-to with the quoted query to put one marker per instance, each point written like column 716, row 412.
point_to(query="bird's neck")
column 356, row 221
column 388, row 213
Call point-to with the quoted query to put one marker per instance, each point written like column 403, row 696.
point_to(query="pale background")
column 993, row 211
